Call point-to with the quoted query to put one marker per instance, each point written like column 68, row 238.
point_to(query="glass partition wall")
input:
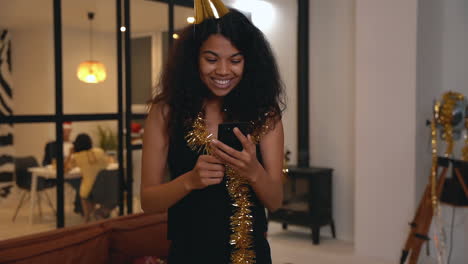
column 27, row 115
column 148, row 22
column 45, row 103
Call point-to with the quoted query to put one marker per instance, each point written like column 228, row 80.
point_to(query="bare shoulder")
column 155, row 145
column 272, row 148
column 275, row 132
column 156, row 125
column 158, row 112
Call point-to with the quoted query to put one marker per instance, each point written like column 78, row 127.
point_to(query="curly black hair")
column 82, row 142
column 260, row 89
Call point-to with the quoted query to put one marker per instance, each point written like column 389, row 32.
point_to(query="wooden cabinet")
column 308, row 200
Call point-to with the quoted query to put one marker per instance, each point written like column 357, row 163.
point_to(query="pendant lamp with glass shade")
column 91, row 71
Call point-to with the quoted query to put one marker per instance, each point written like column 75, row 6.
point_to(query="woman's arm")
column 269, row 182
column 266, row 180
column 157, row 196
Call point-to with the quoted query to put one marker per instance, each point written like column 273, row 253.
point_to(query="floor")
column 292, row 246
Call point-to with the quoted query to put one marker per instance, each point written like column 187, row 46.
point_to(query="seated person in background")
column 90, row 161
column 50, row 152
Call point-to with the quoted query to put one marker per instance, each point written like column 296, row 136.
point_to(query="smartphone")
column 227, row 136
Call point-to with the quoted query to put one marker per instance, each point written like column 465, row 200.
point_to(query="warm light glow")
column 122, row 29
column 175, row 36
column 190, row 20
column 263, row 13
column 91, row 72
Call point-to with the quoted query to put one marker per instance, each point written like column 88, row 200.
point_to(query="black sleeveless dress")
column 198, row 225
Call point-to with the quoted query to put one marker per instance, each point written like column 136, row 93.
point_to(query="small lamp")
column 91, row 71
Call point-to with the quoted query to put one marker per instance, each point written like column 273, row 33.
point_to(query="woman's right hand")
column 207, row 171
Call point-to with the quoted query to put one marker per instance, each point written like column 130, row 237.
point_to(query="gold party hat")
column 205, row 9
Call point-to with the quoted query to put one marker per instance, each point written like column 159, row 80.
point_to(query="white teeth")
column 222, row 82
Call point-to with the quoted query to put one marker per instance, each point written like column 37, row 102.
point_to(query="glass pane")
column 19, row 155
column 101, row 195
column 84, row 40
column 27, row 70
column 149, row 22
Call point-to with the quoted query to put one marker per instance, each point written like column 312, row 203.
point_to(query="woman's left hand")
column 245, row 162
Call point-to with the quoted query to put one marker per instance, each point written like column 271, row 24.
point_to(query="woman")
column 90, row 161
column 221, row 70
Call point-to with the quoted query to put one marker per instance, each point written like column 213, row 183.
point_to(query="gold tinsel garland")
column 198, row 139
column 241, row 221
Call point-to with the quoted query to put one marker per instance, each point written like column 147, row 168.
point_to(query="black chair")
column 5, row 191
column 23, row 181
column 105, row 192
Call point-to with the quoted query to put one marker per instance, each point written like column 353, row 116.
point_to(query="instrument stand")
column 423, row 218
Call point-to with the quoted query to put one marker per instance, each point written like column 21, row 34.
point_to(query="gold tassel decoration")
column 443, row 114
column 439, row 238
column 207, row 9
column 465, row 148
column 445, row 118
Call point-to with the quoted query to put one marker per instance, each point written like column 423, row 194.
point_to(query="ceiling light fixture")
column 190, row 20
column 91, row 71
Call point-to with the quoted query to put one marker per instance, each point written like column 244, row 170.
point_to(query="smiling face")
column 221, row 65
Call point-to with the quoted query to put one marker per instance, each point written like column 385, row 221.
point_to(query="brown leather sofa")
column 118, row 240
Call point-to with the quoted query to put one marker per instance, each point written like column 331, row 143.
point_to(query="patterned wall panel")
column 6, row 109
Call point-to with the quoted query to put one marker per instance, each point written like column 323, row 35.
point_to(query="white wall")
column 33, row 90
column 442, row 66
column 332, row 103
column 80, row 97
column 33, row 71
column 385, row 125
column 392, row 100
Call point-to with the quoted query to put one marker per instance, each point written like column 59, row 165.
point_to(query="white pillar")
column 386, row 34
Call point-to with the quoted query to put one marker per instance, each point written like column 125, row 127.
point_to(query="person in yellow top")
column 90, row 161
